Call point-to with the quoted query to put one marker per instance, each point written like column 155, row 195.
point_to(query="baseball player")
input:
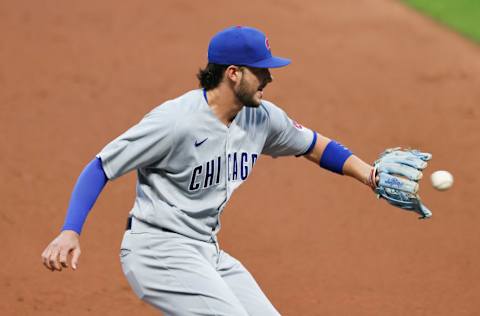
column 190, row 154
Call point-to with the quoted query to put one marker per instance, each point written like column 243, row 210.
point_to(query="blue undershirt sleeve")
column 89, row 185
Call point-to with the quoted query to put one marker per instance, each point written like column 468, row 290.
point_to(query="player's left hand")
column 397, row 172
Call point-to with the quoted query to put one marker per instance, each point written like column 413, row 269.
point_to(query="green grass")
column 461, row 15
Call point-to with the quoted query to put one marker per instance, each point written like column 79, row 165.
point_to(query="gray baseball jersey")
column 189, row 163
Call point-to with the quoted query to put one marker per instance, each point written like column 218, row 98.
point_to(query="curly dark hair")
column 211, row 76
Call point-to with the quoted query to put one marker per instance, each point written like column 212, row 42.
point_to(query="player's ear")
column 233, row 73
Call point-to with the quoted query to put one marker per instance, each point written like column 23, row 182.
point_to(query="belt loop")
column 129, row 223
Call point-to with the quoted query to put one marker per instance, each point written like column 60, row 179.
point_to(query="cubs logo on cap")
column 243, row 46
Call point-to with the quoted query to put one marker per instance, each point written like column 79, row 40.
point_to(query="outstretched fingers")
column 400, row 169
column 422, row 155
column 393, row 182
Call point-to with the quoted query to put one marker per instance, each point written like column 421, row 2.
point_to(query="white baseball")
column 441, row 180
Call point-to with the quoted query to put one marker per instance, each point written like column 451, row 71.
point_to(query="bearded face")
column 249, row 90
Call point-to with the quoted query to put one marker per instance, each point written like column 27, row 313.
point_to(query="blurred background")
column 371, row 74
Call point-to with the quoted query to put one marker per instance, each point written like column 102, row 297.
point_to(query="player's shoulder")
column 259, row 116
column 180, row 105
column 268, row 106
column 270, row 109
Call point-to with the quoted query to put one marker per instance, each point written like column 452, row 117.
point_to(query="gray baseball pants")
column 182, row 276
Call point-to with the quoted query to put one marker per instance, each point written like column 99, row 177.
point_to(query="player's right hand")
column 54, row 257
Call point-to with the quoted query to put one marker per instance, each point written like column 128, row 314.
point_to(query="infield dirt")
column 371, row 74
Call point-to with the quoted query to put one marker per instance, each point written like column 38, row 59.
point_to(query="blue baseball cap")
column 243, row 46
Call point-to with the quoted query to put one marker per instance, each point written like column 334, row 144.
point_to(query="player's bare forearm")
column 353, row 167
column 358, row 169
column 317, row 151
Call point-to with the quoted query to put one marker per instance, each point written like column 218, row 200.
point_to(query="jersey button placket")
column 222, row 206
column 227, row 171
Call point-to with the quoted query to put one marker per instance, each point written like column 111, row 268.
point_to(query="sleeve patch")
column 296, row 124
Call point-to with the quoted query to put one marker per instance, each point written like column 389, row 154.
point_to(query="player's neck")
column 224, row 104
